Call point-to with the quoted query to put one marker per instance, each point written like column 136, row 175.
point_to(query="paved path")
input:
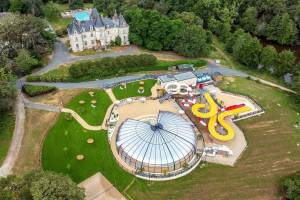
column 93, row 84
column 41, row 106
column 111, row 94
column 12, row 155
column 61, row 56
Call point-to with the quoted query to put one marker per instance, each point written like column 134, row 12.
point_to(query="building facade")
column 89, row 30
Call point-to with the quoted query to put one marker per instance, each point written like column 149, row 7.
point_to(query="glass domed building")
column 166, row 145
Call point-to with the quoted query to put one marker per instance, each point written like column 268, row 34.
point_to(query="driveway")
column 61, row 56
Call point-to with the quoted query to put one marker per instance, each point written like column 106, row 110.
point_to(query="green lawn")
column 131, row 89
column 93, row 116
column 61, row 23
column 7, row 125
column 272, row 153
column 67, row 138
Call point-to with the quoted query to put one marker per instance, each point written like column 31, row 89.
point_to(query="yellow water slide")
column 221, row 119
column 212, row 114
column 213, row 108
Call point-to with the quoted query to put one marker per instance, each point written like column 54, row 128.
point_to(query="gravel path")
column 12, row 155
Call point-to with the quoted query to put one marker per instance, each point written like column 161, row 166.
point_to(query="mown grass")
column 60, row 23
column 7, row 125
column 272, row 153
column 66, row 139
column 62, row 73
column 131, row 89
column 92, row 115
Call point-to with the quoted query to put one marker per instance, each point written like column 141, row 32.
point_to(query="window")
column 85, row 43
column 84, row 36
column 91, row 34
column 93, row 42
column 77, row 46
column 76, row 39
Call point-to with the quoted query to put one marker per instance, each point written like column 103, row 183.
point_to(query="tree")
column 189, row 18
column 247, row 50
column 33, row 7
column 162, row 7
column 40, row 186
column 285, row 63
column 25, row 61
column 232, row 39
column 118, row 41
column 269, row 57
column 192, row 41
column 207, row 9
column 7, row 91
column 291, row 186
column 248, row 20
column 18, row 32
column 282, row 29
column 76, row 4
column 52, row 11
column 16, row 6
column 4, row 5
column 48, row 186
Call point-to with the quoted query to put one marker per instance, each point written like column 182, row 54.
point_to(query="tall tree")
column 248, row 20
column 40, row 186
column 247, row 50
column 192, row 41
column 269, row 57
column 52, row 11
column 7, row 90
column 286, row 61
column 282, row 29
column 76, row 4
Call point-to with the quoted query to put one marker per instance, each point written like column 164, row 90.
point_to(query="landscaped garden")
column 132, row 89
column 67, row 139
column 91, row 106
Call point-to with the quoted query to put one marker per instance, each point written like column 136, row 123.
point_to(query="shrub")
column 291, row 186
column 61, row 32
column 106, row 67
column 33, row 90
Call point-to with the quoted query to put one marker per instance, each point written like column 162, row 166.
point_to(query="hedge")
column 33, row 90
column 106, row 67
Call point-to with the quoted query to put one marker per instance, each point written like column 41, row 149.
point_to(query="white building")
column 89, row 30
column 188, row 78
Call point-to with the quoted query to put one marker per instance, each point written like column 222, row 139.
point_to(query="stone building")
column 89, row 30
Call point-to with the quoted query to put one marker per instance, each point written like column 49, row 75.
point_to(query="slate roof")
column 96, row 21
column 177, row 77
column 185, row 76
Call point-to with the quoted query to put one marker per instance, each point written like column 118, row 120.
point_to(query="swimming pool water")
column 82, row 16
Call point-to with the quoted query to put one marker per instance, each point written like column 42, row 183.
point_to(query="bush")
column 106, row 67
column 33, row 90
column 61, row 32
column 291, row 187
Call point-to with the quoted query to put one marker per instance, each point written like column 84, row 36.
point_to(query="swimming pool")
column 82, row 16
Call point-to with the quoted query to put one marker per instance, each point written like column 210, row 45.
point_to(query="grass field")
column 272, row 153
column 93, row 116
column 131, row 89
column 7, row 125
column 67, row 138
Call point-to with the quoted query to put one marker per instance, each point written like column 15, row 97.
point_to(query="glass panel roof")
column 169, row 141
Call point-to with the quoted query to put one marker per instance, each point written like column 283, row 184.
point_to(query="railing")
column 181, row 171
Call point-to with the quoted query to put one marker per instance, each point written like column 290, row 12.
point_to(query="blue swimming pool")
column 82, row 16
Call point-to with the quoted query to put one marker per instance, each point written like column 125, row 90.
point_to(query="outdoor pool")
column 82, row 16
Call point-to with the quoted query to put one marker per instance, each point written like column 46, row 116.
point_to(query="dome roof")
column 170, row 140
